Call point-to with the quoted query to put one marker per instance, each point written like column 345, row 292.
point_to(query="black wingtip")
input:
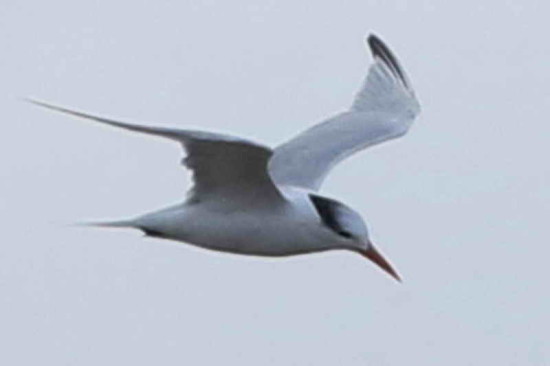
column 373, row 39
column 380, row 50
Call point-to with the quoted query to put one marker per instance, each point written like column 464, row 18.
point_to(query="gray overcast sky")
column 460, row 205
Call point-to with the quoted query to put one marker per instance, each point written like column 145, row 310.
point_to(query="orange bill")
column 374, row 256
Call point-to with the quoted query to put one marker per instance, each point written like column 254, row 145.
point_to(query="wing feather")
column 384, row 108
column 224, row 167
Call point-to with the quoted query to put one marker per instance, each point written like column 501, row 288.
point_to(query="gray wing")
column 383, row 109
column 224, row 167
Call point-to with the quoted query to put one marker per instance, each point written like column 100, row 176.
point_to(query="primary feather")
column 223, row 166
column 383, row 109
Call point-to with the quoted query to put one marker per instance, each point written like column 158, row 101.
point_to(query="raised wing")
column 225, row 168
column 383, row 109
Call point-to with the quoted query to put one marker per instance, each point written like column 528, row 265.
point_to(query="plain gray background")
column 459, row 205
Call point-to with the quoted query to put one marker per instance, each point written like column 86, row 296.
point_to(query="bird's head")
column 351, row 230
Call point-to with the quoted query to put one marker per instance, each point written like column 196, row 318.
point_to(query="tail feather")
column 109, row 224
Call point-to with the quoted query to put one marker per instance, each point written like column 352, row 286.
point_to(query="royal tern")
column 250, row 199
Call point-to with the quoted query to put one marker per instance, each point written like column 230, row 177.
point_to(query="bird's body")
column 250, row 199
column 262, row 228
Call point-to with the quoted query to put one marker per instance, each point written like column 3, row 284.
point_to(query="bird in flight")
column 250, row 199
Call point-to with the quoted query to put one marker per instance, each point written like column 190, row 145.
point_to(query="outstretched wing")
column 383, row 109
column 225, row 168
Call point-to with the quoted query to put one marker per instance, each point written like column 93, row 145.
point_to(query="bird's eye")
column 345, row 234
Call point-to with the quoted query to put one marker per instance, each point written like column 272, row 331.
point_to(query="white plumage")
column 249, row 199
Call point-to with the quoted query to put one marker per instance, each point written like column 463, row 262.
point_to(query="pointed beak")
column 374, row 255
